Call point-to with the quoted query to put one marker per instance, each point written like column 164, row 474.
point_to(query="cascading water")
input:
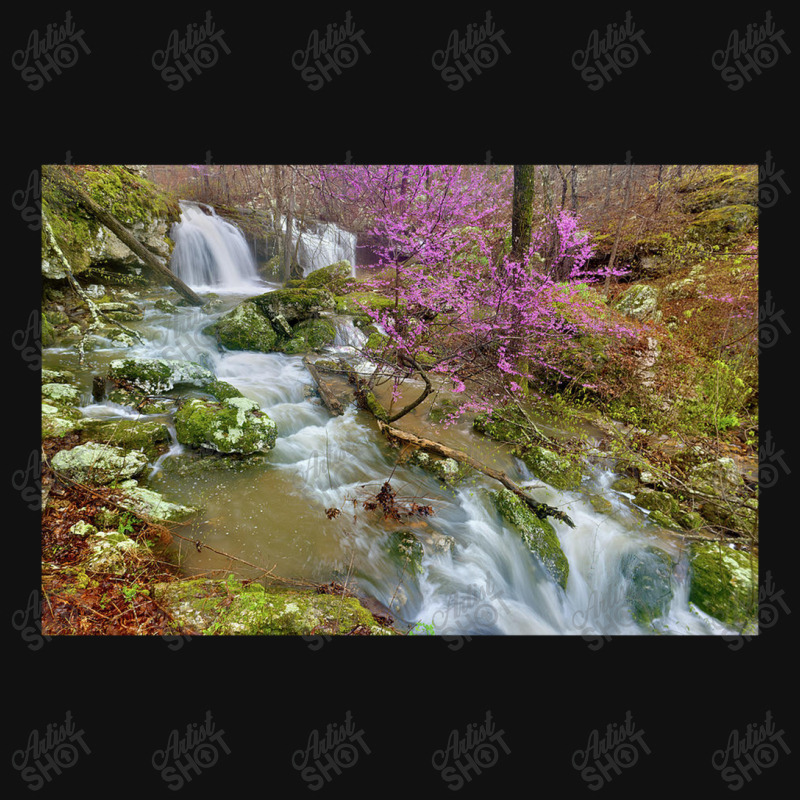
column 321, row 244
column 210, row 252
column 273, row 511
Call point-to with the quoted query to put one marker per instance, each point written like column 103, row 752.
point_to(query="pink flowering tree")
column 464, row 309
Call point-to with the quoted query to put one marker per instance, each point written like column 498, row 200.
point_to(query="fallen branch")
column 333, row 405
column 542, row 510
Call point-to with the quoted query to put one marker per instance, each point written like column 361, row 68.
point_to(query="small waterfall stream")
column 273, row 511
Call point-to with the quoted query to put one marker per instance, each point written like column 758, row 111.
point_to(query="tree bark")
column 619, row 228
column 522, row 213
column 126, row 237
column 332, row 404
column 542, row 510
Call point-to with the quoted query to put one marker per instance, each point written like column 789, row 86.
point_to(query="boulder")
column 538, row 534
column 98, row 463
column 159, row 375
column 60, row 394
column 447, row 470
column 113, row 552
column 724, row 583
column 309, row 336
column 60, row 420
column 230, row 607
column 639, row 301
column 558, row 471
column 332, row 277
column 236, row 425
column 720, row 225
column 151, row 505
column 649, row 584
column 150, row 437
column 244, row 328
column 295, row 305
column 719, row 478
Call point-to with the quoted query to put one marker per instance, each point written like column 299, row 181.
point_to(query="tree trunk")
column 522, row 213
column 573, row 182
column 126, row 237
column 288, row 252
column 619, row 228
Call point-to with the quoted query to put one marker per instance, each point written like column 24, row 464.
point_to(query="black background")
column 547, row 694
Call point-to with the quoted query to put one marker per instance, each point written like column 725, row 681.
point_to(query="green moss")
column 233, row 608
column 235, row 425
column 407, row 550
column 331, row 277
column 151, row 437
column 222, row 390
column 356, row 302
column 724, row 583
column 378, row 411
column 293, row 304
column 625, row 484
column 48, row 332
column 538, row 534
column 309, row 335
column 720, row 225
column 654, row 500
column 504, row 425
column 244, row 328
column 376, row 341
column 561, row 472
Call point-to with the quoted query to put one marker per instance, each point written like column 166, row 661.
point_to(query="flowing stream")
column 272, row 511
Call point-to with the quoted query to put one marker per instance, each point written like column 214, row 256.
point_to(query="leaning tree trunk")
column 126, row 237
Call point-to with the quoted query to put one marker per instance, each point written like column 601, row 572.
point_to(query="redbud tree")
column 489, row 326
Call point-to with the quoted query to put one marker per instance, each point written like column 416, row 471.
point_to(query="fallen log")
column 542, row 510
column 150, row 260
column 332, row 404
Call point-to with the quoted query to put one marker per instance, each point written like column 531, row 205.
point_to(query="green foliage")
column 720, row 398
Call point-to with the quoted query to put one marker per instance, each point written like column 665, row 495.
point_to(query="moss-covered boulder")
column 236, row 425
column 221, row 390
column 165, row 306
column 718, row 478
column 99, row 463
column 356, row 302
column 725, row 190
column 626, row 483
column 654, row 500
column 230, row 608
column 503, row 425
column 561, row 472
column 332, row 277
column 150, row 437
column 720, row 225
column 688, row 520
column 58, row 421
column 640, row 301
column 294, row 305
column 538, row 534
column 447, row 470
column 48, row 332
column 244, row 328
column 734, row 517
column 61, row 394
column 311, row 335
column 57, row 376
column 724, row 583
column 159, row 375
column 407, row 550
column 151, row 505
column 122, row 312
column 649, row 585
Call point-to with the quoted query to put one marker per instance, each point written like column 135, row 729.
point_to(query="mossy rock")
column 95, row 463
column 443, row 409
column 57, row 376
column 447, row 470
column 640, row 301
column 114, row 553
column 688, row 520
column 139, row 400
column 233, row 608
column 295, row 305
column 356, row 302
column 159, row 375
column 626, row 484
column 236, row 425
column 150, row 437
column 654, row 500
column 311, row 335
column 559, row 471
column 720, row 225
column 649, row 584
column 244, row 328
column 222, row 390
column 407, row 550
column 61, row 394
column 724, row 583
column 48, row 332
column 166, row 306
column 727, row 190
column 600, row 504
column 295, row 283
column 331, row 277
column 58, row 421
column 376, row 342
column 538, row 534
column 151, row 505
column 734, row 518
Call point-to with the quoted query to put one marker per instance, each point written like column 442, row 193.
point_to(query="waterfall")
column 211, row 253
column 321, row 244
